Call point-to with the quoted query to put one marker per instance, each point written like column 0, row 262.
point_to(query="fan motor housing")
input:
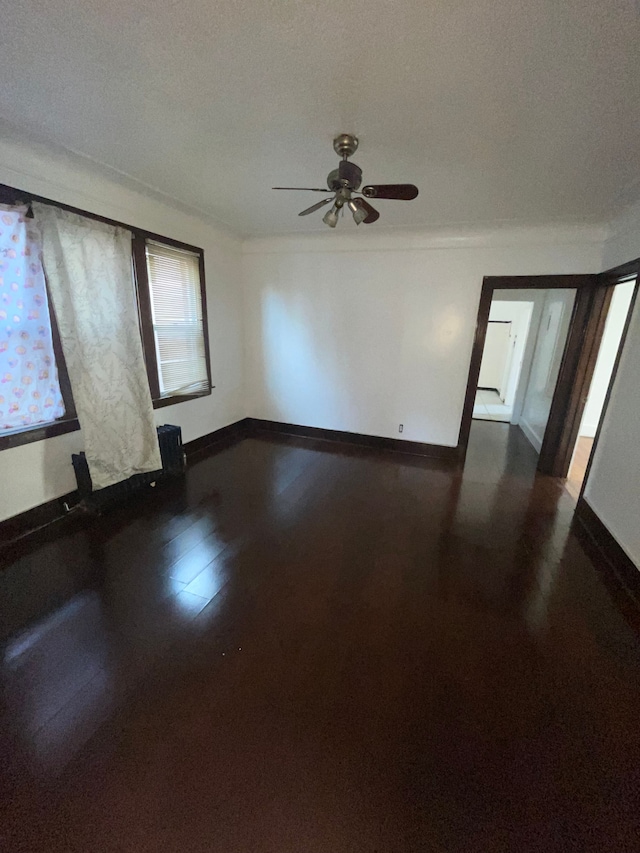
column 348, row 175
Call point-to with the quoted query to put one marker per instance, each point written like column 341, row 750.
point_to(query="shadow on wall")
column 57, row 468
column 360, row 340
column 292, row 373
column 37, row 472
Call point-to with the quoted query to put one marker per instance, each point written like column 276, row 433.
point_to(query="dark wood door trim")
column 574, row 379
column 629, row 269
column 474, row 368
column 538, row 282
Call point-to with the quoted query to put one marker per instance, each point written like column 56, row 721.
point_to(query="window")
column 173, row 318
column 30, row 391
column 170, row 286
column 176, row 315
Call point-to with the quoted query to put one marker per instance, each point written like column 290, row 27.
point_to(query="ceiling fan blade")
column 316, row 206
column 372, row 213
column 304, row 189
column 405, row 192
column 349, row 174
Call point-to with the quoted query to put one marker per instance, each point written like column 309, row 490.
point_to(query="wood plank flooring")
column 306, row 649
column 579, row 464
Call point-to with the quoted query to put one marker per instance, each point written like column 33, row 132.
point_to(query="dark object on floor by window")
column 173, row 462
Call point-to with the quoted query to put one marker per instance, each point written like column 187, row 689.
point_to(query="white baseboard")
column 531, row 435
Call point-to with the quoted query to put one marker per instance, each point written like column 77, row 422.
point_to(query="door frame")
column 578, row 363
column 593, row 295
column 610, row 278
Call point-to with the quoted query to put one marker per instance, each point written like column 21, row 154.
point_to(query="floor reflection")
column 414, row 634
column 56, row 683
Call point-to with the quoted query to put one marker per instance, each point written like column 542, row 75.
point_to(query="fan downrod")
column 345, row 145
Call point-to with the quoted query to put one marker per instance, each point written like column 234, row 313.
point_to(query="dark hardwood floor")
column 321, row 650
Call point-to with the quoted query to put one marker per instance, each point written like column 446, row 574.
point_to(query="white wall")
column 518, row 313
column 616, row 318
column 623, row 240
column 363, row 331
column 495, row 355
column 613, row 487
column 545, row 366
column 37, row 472
column 536, row 297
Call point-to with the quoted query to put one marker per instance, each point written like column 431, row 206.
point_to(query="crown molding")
column 464, row 237
column 27, row 165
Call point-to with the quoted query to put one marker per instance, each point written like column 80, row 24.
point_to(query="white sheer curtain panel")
column 89, row 272
column 29, row 387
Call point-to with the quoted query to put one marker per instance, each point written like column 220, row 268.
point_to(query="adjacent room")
column 609, row 350
column 319, row 406
column 525, row 340
column 503, row 358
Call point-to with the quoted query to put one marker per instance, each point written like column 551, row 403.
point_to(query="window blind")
column 176, row 308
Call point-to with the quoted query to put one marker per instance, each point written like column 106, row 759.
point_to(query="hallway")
column 305, row 648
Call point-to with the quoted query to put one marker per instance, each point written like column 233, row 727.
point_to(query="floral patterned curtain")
column 90, row 276
column 29, row 389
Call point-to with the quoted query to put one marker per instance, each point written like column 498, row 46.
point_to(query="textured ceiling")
column 521, row 112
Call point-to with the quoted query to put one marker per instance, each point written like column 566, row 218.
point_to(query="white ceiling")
column 521, row 111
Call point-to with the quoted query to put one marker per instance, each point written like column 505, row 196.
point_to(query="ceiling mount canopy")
column 344, row 183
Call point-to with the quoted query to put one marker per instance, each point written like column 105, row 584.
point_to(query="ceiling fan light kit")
column 331, row 216
column 344, row 183
column 359, row 213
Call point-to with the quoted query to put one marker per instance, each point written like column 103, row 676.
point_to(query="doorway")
column 614, row 328
column 561, row 383
column 503, row 355
column 526, row 336
column 557, row 364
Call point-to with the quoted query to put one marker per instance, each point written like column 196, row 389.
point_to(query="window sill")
column 161, row 402
column 37, row 433
column 41, row 431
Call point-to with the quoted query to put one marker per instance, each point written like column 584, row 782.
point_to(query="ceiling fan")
column 344, row 183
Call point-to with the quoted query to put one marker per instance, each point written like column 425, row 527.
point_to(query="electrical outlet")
column 400, row 427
